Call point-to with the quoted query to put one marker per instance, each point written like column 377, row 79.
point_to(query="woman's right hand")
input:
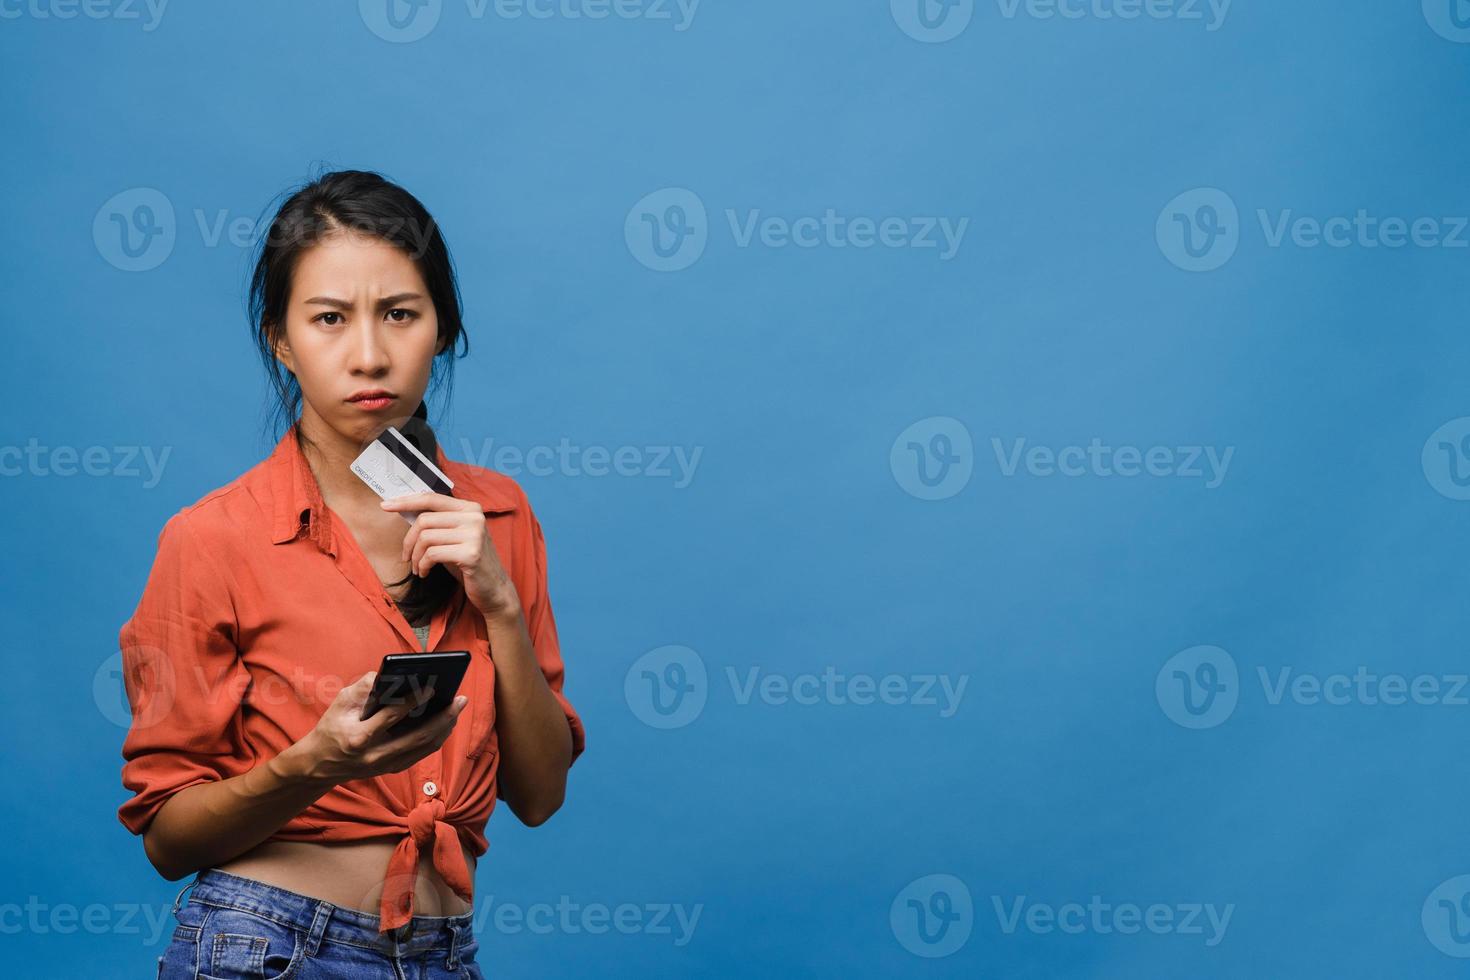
column 343, row 747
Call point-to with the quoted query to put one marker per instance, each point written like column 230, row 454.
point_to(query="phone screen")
column 403, row 677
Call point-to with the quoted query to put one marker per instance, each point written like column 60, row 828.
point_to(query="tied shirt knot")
column 427, row 828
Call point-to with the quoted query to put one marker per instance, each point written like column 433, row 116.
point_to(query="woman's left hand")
column 452, row 532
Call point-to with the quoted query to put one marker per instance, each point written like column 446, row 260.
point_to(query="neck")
column 330, row 455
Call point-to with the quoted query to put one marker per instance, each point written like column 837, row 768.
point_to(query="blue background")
column 796, row 546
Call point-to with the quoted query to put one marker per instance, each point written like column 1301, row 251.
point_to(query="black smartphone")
column 402, row 677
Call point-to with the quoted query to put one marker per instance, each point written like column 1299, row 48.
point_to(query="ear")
column 439, row 347
column 282, row 352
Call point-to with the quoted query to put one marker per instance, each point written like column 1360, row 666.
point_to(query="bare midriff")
column 349, row 875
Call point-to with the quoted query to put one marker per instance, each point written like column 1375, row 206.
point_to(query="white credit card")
column 394, row 467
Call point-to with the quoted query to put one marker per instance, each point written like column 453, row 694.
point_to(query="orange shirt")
column 260, row 607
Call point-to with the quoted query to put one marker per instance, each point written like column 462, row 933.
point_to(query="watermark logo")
column 667, row 230
column 38, row 917
column 941, row 691
column 34, row 459
column 932, row 916
column 137, row 690
column 667, row 687
column 400, row 21
column 1104, row 918
column 1198, row 687
column 1100, row 459
column 1450, row 19
column 1211, row 13
column 135, row 229
column 91, row 9
column 1199, row 230
column 933, row 458
column 1446, row 917
column 932, row 21
column 568, row 459
column 1446, row 459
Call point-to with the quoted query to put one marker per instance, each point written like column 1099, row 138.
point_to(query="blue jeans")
column 236, row 928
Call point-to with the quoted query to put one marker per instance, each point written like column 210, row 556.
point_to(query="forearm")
column 210, row 823
column 535, row 739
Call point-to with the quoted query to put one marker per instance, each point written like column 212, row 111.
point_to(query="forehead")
column 352, row 261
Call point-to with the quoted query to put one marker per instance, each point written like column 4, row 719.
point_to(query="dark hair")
column 365, row 202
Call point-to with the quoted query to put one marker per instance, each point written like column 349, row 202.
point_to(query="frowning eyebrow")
column 383, row 303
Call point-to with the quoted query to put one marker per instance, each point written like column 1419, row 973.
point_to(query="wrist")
column 298, row 763
column 507, row 616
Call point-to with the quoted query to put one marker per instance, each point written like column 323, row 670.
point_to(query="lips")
column 372, row 398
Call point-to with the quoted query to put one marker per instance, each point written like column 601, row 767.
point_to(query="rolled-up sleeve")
column 541, row 625
column 184, row 677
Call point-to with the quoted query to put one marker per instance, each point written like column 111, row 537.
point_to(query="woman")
column 324, row 846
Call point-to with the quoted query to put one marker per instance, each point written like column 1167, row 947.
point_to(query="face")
column 358, row 319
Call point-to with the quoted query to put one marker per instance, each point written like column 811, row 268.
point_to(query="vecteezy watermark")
column 668, row 687
column 932, row 21
column 672, row 919
column 1203, row 919
column 149, row 13
column 1209, row 13
column 1201, row 229
column 659, row 462
column 135, row 230
column 934, row 458
column 1445, row 459
column 402, row 21
column 1200, row 687
column 932, row 916
column 34, row 459
column 832, row 687
column 1450, row 19
column 1445, row 917
column 669, row 229
column 137, row 687
column 38, row 917
column 1098, row 459
column 936, row 21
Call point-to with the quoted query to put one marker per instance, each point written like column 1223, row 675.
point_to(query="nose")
column 369, row 354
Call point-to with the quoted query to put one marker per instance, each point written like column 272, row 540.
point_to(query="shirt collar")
column 297, row 503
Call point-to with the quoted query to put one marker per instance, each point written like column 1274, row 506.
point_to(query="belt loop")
column 319, row 922
column 452, row 963
column 190, row 884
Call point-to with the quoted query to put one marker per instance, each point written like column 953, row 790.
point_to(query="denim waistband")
column 323, row 921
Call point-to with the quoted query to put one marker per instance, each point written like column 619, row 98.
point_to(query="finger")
column 426, row 539
column 445, row 554
column 396, row 709
column 430, row 732
column 444, row 723
column 459, row 519
column 448, row 518
column 427, row 500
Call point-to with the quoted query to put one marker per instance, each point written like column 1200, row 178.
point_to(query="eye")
column 407, row 315
column 321, row 318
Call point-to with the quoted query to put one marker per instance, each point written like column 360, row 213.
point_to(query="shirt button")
column 430, row 789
